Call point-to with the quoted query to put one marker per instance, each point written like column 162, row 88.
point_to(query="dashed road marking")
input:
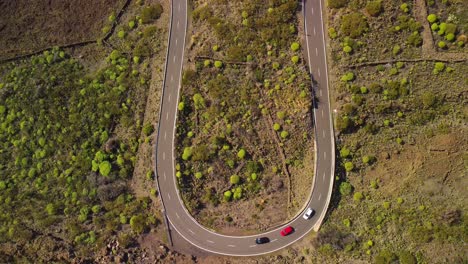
column 164, row 155
column 177, row 215
column 172, row 78
column 252, row 246
column 316, row 52
column 165, row 176
column 320, row 93
column 173, row 59
column 167, row 116
column 315, row 33
column 274, row 240
column 178, row 8
column 323, row 176
column 209, row 241
column 325, row 156
column 320, row 197
column 319, row 72
column 176, row 40
column 231, row 246
column 322, row 117
column 170, row 95
column 190, row 230
column 323, row 131
column 168, row 196
column 165, row 135
column 312, row 11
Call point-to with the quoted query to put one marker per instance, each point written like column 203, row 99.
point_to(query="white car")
column 308, row 213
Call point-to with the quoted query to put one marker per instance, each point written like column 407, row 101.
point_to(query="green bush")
column 348, row 77
column 227, row 196
column 295, row 59
column 199, row 101
column 337, row 3
column 346, row 188
column 404, row 7
column 281, row 115
column 105, row 168
column 234, row 179
column 137, row 223
column 151, row 13
column 432, row 18
column 181, row 106
column 396, row 50
column 198, row 175
column 187, row 154
column 385, row 257
column 434, row 27
column 354, row 25
column 442, row 44
column 358, row 196
column 241, row 154
column 347, row 49
column 349, row 166
column 415, row 39
column 50, row 209
column 148, row 129
column 121, row 34
column 406, row 257
column 450, row 37
column 284, row 134
column 374, row 8
column 295, row 46
column 276, row 127
column 218, row 64
column 344, row 152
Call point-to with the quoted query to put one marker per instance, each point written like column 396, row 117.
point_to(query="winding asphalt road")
column 178, row 217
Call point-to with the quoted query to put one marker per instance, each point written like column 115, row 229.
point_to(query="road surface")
column 178, row 217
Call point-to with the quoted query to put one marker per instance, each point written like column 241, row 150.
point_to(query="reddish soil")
column 27, row 26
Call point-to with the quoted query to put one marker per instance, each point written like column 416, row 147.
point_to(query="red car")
column 286, row 231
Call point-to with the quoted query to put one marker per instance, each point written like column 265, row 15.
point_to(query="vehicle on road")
column 308, row 213
column 286, row 231
column 262, row 240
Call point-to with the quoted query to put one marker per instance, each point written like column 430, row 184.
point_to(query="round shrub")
column 215, row 48
column 345, row 188
column 241, row 154
column 207, row 63
column 198, row 175
column 227, row 195
column 284, row 134
column 432, row 18
column 295, row 59
column 253, row 176
column 434, row 27
column 234, row 179
column 105, row 168
column 187, row 153
column 344, row 152
column 218, row 64
column 295, row 46
column 181, row 106
column 374, row 8
column 354, row 25
column 358, row 196
column 276, row 127
column 442, row 44
column 349, row 166
column 366, row 159
column 363, row 90
column 450, row 37
column 347, row 49
column 275, row 65
column 281, row 115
